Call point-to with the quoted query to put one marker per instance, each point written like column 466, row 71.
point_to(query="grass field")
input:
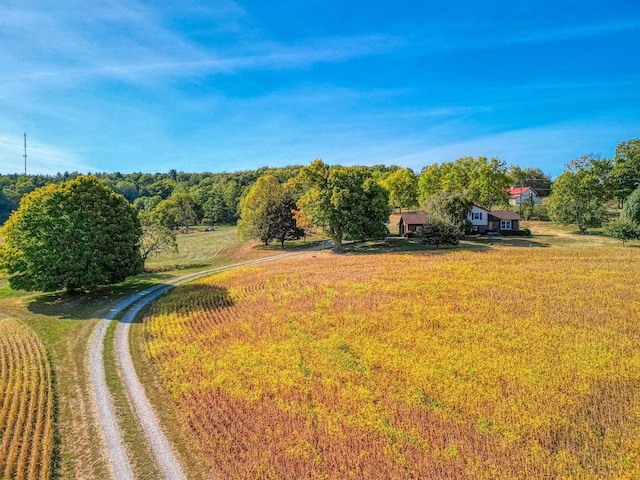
column 486, row 363
column 26, row 405
column 64, row 323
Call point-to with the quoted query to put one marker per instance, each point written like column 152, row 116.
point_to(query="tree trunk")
column 337, row 240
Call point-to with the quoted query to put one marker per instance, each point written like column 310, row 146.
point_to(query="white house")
column 517, row 195
column 479, row 218
column 483, row 220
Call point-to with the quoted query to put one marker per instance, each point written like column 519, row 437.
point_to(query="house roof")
column 480, row 208
column 517, row 191
column 414, row 218
column 503, row 215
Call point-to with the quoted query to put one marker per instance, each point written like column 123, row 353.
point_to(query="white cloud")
column 41, row 158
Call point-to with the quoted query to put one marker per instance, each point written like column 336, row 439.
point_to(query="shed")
column 411, row 223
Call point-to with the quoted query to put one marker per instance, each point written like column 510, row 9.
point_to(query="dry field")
column 511, row 363
column 26, row 404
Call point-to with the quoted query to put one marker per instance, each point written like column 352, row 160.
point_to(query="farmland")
column 64, row 324
column 504, row 363
column 26, row 406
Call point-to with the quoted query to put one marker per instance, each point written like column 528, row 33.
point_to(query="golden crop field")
column 510, row 363
column 26, row 404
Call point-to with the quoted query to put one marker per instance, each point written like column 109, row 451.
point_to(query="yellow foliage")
column 515, row 363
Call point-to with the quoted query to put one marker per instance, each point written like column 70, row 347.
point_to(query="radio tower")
column 25, row 153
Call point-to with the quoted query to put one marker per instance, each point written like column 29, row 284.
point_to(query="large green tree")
column 402, row 185
column 450, row 208
column 267, row 213
column 489, row 183
column 578, row 195
column 74, row 236
column 485, row 181
column 626, row 168
column 156, row 239
column 344, row 202
column 179, row 209
column 281, row 220
column 623, row 229
column 631, row 208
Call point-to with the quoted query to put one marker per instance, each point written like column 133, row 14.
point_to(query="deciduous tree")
column 527, row 208
column 402, row 186
column 450, row 208
column 281, row 220
column 156, row 239
column 267, row 213
column 484, row 181
column 74, row 236
column 623, row 229
column 626, row 168
column 344, row 202
column 631, row 209
column 578, row 195
column 179, row 209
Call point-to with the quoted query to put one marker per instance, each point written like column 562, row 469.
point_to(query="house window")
column 474, row 228
column 477, row 215
column 505, row 224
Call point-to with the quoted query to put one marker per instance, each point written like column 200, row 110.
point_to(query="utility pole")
column 520, row 202
column 25, row 153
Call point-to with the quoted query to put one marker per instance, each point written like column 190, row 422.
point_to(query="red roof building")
column 517, row 195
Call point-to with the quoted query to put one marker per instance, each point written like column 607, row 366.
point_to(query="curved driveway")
column 165, row 458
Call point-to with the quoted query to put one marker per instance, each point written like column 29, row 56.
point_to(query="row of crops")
column 26, row 404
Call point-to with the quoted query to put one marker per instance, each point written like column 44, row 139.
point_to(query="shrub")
column 439, row 232
column 623, row 229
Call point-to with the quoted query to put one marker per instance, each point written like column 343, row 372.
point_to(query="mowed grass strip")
column 26, row 404
column 514, row 363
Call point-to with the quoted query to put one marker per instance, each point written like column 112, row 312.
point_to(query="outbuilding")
column 411, row 223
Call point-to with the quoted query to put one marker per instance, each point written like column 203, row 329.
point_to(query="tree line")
column 77, row 232
column 214, row 198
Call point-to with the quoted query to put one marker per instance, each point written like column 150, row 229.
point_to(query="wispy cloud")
column 41, row 158
column 474, row 36
column 128, row 42
column 575, row 31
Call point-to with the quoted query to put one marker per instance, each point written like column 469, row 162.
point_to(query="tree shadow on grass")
column 412, row 245
column 507, row 241
column 84, row 305
column 97, row 303
column 174, row 267
column 194, row 299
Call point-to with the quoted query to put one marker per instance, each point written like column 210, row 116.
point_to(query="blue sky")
column 230, row 85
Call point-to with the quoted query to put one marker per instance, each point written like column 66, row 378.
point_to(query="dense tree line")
column 179, row 199
column 215, row 197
